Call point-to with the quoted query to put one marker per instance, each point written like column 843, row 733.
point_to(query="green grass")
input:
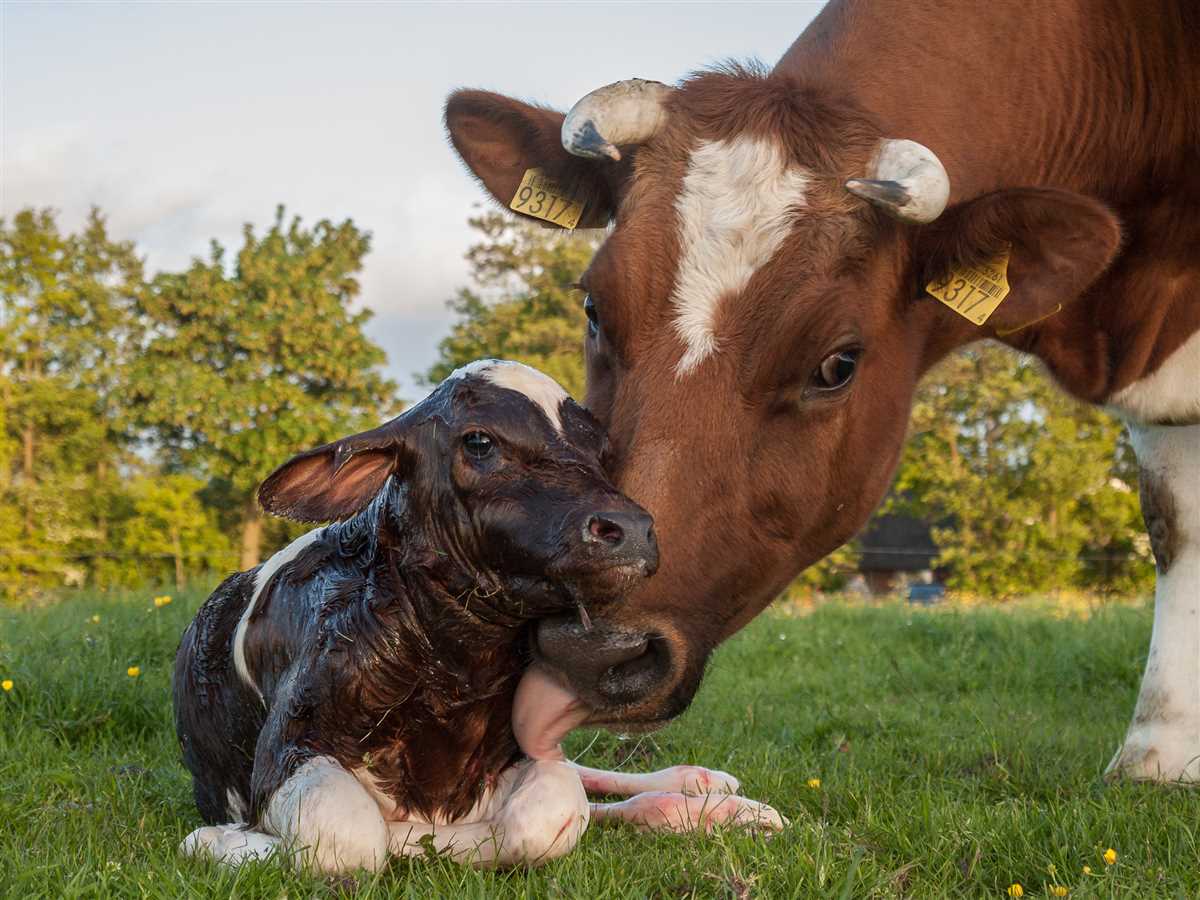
column 958, row 752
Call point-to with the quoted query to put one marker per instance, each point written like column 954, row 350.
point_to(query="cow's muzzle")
column 609, row 668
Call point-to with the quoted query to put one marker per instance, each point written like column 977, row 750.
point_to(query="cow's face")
column 497, row 492
column 756, row 331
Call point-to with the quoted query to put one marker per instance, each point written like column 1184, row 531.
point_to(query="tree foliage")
column 523, row 304
column 247, row 363
column 138, row 416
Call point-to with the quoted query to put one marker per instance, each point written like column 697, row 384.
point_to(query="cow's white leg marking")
column 269, row 568
column 537, row 812
column 1163, row 742
column 669, row 811
column 539, row 387
column 737, row 205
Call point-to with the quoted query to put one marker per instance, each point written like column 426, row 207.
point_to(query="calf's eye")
column 836, row 370
column 589, row 310
column 478, row 444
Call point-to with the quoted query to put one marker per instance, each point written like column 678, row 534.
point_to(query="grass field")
column 958, row 752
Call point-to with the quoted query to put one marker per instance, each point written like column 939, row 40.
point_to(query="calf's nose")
column 624, row 536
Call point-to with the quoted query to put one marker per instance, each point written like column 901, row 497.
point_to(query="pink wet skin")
column 544, row 712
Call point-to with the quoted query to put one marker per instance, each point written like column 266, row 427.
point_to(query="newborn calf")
column 354, row 696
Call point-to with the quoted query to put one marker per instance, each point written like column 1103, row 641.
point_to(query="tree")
column 524, row 304
column 248, row 363
column 1029, row 489
column 171, row 532
column 68, row 326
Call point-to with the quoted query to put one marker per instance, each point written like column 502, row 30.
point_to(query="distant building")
column 896, row 550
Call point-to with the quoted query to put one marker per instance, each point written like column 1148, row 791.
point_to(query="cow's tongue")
column 544, row 712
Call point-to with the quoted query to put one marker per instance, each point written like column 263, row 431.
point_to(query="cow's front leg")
column 537, row 812
column 1163, row 741
column 679, row 798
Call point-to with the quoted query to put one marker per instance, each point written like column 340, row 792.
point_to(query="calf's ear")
column 337, row 480
column 1058, row 243
column 500, row 138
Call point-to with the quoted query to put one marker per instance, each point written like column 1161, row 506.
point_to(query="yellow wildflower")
column 814, row 783
column 133, row 671
column 1015, row 890
column 1087, row 870
column 1058, row 890
column 162, row 601
column 96, row 619
column 6, row 684
column 1110, row 856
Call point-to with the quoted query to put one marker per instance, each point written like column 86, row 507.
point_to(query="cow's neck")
column 1050, row 94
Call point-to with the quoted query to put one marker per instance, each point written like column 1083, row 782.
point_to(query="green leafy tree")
column 68, row 327
column 248, row 362
column 1030, row 490
column 523, row 304
column 171, row 532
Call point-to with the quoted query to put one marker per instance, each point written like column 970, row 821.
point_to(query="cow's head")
column 757, row 326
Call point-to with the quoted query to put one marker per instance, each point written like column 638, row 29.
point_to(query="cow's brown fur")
column 1070, row 131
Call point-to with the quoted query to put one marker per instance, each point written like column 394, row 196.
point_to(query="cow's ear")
column 500, row 139
column 1058, row 243
column 337, row 480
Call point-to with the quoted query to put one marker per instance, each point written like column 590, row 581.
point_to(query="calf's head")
column 493, row 480
column 757, row 325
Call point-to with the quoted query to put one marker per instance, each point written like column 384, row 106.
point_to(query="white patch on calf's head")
column 737, row 206
column 539, row 387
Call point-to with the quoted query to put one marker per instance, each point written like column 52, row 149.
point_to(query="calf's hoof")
column 229, row 845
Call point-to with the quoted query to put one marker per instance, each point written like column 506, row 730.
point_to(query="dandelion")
column 1110, row 856
column 6, row 684
column 1087, row 870
column 133, row 671
column 814, row 783
column 96, row 619
column 161, row 601
column 1058, row 890
column 1015, row 890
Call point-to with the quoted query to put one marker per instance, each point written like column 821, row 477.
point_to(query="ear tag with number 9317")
column 974, row 292
column 543, row 198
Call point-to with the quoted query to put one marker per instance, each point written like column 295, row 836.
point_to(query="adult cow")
column 759, row 319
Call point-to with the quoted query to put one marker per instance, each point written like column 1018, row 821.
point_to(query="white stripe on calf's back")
column 261, row 578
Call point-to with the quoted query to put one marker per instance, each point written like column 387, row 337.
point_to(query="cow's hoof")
column 1158, row 757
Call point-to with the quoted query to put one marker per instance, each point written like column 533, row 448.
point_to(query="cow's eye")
column 478, row 444
column 835, row 370
column 589, row 310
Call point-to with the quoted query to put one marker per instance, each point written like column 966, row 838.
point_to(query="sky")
column 182, row 121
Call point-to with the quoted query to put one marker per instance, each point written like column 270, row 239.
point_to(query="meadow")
column 918, row 753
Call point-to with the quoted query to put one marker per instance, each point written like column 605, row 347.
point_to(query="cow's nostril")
column 605, row 530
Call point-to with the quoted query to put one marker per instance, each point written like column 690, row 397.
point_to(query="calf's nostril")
column 604, row 530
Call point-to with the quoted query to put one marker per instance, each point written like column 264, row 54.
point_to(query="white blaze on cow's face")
column 739, row 200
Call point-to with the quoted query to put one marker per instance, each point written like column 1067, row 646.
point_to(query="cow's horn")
column 907, row 181
column 625, row 112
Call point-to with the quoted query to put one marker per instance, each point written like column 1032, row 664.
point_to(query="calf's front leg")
column 536, row 813
column 321, row 817
column 679, row 798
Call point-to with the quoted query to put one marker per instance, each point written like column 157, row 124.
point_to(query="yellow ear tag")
column 974, row 292
column 542, row 198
